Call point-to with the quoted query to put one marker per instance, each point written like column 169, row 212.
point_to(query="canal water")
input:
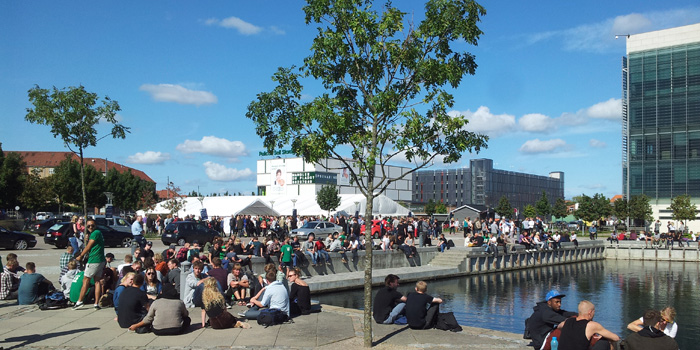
column 620, row 290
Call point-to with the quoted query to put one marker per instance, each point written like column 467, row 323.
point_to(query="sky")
column 546, row 91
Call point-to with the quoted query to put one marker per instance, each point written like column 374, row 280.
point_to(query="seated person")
column 215, row 308
column 442, row 243
column 546, row 316
column 577, row 333
column 650, row 336
column 151, row 285
column 273, row 296
column 337, row 247
column 389, row 303
column 167, row 315
column 667, row 323
column 422, row 309
column 67, row 278
column 133, row 304
column 477, row 240
column 32, row 286
column 126, row 281
column 193, row 280
column 9, row 280
column 238, row 284
column 299, row 294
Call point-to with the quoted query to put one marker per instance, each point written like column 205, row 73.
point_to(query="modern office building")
column 294, row 177
column 661, row 116
column 482, row 185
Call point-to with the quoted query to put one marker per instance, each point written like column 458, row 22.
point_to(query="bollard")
column 185, row 269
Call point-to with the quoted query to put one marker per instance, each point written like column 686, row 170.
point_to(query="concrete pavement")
column 27, row 327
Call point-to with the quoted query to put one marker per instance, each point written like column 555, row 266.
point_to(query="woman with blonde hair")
column 668, row 322
column 215, row 308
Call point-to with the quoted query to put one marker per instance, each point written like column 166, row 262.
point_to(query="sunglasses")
column 291, row 275
column 150, row 273
column 90, row 226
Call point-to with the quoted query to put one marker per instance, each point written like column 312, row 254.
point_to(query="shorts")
column 94, row 270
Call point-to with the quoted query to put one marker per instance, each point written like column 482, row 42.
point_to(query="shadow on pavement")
column 388, row 336
column 33, row 338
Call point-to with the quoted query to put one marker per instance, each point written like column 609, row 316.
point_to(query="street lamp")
column 272, row 203
column 357, row 211
column 294, row 203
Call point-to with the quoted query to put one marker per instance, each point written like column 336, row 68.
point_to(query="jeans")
column 140, row 240
column 395, row 313
column 75, row 244
column 342, row 253
column 312, row 255
column 324, row 254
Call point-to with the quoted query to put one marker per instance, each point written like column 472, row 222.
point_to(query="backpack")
column 447, row 322
column 182, row 254
column 54, row 300
column 271, row 317
column 254, row 283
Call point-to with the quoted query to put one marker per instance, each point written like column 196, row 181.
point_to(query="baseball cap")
column 172, row 246
column 149, row 243
column 554, row 294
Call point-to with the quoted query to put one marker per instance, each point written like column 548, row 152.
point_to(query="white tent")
column 281, row 205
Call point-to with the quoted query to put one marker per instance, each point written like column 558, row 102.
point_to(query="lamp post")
column 357, row 211
column 272, row 203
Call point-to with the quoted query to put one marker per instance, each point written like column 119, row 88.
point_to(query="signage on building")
column 314, row 177
column 275, row 153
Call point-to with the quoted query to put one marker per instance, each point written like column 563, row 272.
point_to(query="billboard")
column 344, row 176
column 278, row 179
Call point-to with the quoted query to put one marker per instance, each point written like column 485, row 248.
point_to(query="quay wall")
column 638, row 250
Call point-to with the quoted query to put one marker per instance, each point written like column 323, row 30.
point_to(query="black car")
column 57, row 236
column 41, row 227
column 16, row 239
column 182, row 232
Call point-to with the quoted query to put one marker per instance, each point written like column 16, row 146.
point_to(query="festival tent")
column 218, row 206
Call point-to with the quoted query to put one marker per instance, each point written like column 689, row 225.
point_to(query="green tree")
column 586, row 209
column 529, row 211
column 440, row 208
column 640, row 209
column 601, row 206
column 175, row 202
column 94, row 187
column 12, row 178
column 542, row 206
column 430, row 207
column 385, row 99
column 65, row 182
column 328, row 199
column 73, row 115
column 559, row 209
column 621, row 209
column 37, row 193
column 504, row 209
column 683, row 208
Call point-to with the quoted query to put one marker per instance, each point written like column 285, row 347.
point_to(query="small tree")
column 73, row 115
column 174, row 202
column 328, row 199
column 542, row 206
column 683, row 209
column 601, row 206
column 529, row 211
column 440, row 208
column 559, row 209
column 37, row 192
column 504, row 209
column 640, row 209
column 620, row 209
column 430, row 207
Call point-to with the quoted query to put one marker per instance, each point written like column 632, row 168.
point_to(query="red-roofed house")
column 47, row 161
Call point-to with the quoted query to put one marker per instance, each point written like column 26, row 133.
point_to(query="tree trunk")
column 369, row 245
column 82, row 182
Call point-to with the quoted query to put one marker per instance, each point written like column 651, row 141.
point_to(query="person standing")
column 138, row 232
column 95, row 251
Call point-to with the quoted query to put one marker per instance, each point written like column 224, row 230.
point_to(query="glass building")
column 481, row 184
column 661, row 116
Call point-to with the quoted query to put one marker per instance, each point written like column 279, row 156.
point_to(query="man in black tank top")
column 576, row 333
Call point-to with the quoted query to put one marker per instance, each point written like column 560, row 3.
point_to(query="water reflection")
column 621, row 291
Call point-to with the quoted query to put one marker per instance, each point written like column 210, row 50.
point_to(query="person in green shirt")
column 96, row 262
column 286, row 255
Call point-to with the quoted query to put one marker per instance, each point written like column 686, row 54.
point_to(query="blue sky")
column 547, row 89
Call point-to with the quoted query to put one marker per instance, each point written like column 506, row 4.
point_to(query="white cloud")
column 536, row 122
column 218, row 172
column 241, row 26
column 148, row 157
column 178, row 94
column 610, row 109
column 597, row 143
column 600, row 36
column 546, row 146
column 485, row 122
column 213, row 145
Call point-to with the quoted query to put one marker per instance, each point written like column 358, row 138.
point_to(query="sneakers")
column 78, row 305
column 97, row 307
column 241, row 314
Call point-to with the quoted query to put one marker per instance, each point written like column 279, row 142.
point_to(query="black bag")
column 271, row 317
column 526, row 334
column 54, row 300
column 254, row 284
column 450, row 244
column 447, row 322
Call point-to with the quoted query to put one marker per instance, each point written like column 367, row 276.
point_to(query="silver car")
column 116, row 222
column 320, row 229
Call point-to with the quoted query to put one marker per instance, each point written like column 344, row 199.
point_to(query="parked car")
column 320, row 229
column 116, row 222
column 376, row 228
column 182, row 232
column 40, row 228
column 575, row 225
column 43, row 215
column 16, row 239
column 57, row 236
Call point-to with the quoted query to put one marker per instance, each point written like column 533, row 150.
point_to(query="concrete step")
column 451, row 258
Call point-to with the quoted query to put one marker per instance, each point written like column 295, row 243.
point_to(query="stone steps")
column 450, row 258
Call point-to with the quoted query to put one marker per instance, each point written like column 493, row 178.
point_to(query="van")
column 115, row 222
column 43, row 215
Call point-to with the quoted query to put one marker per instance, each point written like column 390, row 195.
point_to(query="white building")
column 294, row 177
